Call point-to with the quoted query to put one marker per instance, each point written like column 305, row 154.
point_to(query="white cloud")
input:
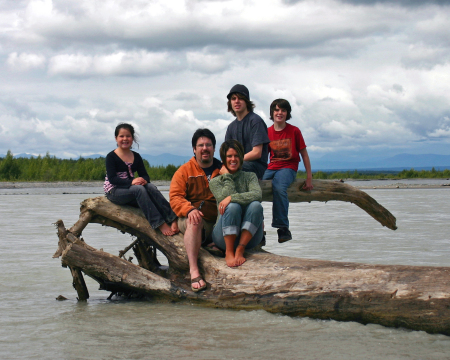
column 24, row 61
column 371, row 75
column 207, row 63
column 119, row 63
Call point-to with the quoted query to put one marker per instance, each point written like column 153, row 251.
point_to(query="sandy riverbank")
column 361, row 184
column 61, row 184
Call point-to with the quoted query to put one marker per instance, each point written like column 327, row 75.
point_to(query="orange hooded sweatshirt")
column 189, row 187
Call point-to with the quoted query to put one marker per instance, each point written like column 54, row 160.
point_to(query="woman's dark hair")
column 128, row 127
column 282, row 104
column 250, row 105
column 203, row 133
column 232, row 144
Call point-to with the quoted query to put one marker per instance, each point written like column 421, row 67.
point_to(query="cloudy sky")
column 364, row 78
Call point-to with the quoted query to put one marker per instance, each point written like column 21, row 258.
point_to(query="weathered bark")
column 78, row 280
column 334, row 190
column 407, row 296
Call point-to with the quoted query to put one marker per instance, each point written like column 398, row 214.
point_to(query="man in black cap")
column 249, row 129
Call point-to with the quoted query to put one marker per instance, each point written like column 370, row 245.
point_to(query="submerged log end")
column 62, row 233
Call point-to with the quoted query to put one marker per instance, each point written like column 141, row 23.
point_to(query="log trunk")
column 398, row 296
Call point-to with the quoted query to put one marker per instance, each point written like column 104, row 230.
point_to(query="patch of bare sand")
column 61, row 184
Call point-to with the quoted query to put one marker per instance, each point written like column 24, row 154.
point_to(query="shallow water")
column 34, row 325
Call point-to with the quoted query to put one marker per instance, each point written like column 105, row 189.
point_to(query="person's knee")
column 150, row 186
column 279, row 186
column 268, row 175
column 277, row 189
column 195, row 227
column 234, row 208
column 138, row 190
column 255, row 207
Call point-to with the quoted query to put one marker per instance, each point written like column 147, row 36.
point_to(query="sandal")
column 198, row 279
column 214, row 250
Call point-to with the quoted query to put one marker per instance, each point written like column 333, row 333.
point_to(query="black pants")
column 149, row 199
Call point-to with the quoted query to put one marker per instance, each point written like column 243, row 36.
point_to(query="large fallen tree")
column 413, row 297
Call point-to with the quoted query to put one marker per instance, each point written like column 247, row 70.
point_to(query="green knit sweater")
column 243, row 187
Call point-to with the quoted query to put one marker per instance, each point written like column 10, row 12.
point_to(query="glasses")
column 204, row 145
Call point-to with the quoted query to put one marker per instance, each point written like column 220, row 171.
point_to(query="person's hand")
column 308, row 185
column 223, row 204
column 223, row 170
column 139, row 181
column 195, row 217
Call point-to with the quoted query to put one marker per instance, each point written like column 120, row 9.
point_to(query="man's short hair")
column 250, row 105
column 203, row 133
column 282, row 104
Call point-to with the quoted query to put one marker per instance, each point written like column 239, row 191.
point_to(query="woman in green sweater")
column 238, row 195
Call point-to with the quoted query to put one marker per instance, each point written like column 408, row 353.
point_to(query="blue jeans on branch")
column 236, row 218
column 149, row 199
column 281, row 179
column 255, row 167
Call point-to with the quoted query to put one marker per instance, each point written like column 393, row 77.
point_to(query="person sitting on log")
column 191, row 199
column 286, row 143
column 122, row 188
column 238, row 194
column 249, row 129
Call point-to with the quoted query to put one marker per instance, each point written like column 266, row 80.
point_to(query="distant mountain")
column 93, row 156
column 155, row 160
column 166, row 159
column 25, row 155
column 330, row 162
column 397, row 162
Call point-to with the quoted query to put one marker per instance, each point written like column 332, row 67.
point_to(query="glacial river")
column 33, row 325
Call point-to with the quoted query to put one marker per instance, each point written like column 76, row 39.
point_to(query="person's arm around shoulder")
column 259, row 137
column 307, row 163
column 254, row 154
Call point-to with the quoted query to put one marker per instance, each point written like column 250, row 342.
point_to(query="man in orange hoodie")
column 192, row 200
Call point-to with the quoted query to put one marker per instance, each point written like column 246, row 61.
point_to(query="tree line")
column 375, row 175
column 50, row 168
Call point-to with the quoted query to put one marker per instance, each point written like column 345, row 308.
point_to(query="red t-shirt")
column 284, row 147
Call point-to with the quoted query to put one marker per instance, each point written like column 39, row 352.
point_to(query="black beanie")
column 240, row 89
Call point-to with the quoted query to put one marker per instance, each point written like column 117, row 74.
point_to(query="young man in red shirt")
column 285, row 148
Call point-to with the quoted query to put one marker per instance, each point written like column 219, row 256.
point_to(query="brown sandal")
column 198, row 279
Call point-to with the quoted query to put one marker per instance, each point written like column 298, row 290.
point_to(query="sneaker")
column 284, row 235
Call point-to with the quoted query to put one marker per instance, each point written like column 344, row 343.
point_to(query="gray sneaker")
column 284, row 235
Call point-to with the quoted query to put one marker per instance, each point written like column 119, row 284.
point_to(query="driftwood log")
column 414, row 297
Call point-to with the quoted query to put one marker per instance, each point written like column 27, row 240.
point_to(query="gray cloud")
column 405, row 3
column 358, row 77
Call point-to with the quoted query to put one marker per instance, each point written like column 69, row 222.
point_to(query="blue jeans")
column 149, row 199
column 255, row 167
column 236, row 218
column 281, row 179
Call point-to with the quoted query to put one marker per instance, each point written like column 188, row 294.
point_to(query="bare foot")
column 230, row 259
column 239, row 258
column 174, row 227
column 166, row 230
